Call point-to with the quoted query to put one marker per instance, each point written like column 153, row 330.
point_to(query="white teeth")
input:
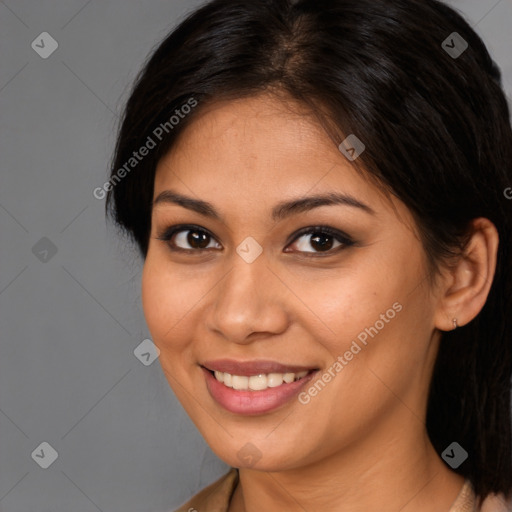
column 240, row 382
column 257, row 382
column 289, row 377
column 274, row 380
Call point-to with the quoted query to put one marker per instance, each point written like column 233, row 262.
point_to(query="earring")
column 455, row 324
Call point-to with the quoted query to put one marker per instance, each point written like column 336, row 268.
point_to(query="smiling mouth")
column 254, row 387
column 258, row 382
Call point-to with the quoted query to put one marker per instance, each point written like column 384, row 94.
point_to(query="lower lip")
column 253, row 402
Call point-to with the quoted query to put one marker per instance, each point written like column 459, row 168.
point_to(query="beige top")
column 216, row 498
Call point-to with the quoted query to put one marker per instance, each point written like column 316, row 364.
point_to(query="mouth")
column 254, row 387
column 258, row 382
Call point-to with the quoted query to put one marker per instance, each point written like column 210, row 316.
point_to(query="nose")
column 249, row 301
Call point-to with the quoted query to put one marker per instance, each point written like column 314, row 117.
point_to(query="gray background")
column 69, row 325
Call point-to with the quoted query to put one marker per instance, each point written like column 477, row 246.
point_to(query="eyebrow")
column 279, row 212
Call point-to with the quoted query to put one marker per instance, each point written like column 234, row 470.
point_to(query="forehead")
column 258, row 150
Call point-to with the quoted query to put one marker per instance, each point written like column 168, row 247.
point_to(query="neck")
column 386, row 472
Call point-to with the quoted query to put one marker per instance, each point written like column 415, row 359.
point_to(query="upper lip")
column 249, row 368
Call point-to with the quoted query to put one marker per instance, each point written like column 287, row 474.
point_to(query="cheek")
column 346, row 303
column 165, row 302
column 377, row 304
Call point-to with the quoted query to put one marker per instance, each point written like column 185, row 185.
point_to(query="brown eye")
column 320, row 240
column 189, row 239
column 198, row 239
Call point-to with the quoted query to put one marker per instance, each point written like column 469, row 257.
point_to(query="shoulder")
column 215, row 497
column 496, row 503
column 466, row 501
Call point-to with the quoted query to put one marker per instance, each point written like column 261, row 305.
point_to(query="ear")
column 466, row 285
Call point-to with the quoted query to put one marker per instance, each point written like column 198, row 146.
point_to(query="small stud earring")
column 455, row 324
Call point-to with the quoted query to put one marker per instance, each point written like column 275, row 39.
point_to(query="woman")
column 317, row 190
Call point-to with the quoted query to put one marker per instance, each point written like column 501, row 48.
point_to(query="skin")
column 361, row 443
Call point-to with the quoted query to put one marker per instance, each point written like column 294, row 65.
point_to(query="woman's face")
column 273, row 279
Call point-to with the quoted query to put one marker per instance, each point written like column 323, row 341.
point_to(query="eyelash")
column 339, row 236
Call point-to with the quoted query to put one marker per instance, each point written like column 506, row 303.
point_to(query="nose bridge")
column 247, row 301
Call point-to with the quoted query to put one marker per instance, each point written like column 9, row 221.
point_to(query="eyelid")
column 309, row 230
column 169, row 231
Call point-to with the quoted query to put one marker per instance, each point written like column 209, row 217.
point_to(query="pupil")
column 321, row 242
column 198, row 239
